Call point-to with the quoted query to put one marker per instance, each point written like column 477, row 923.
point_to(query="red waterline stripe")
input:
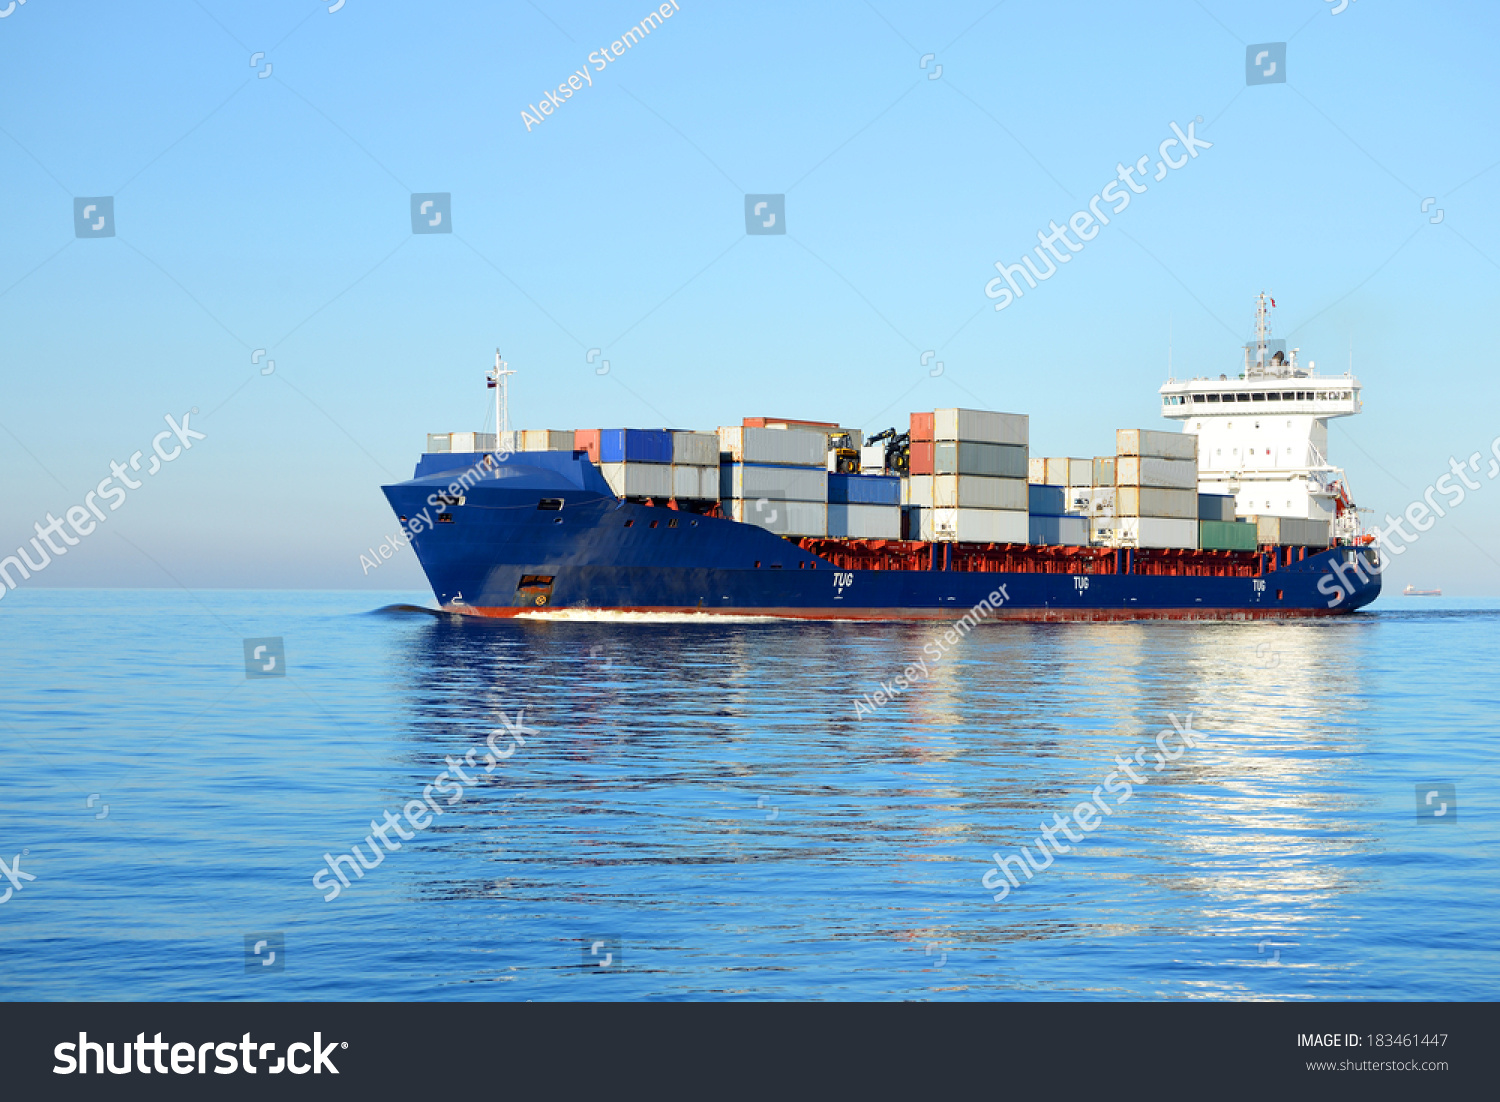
column 1034, row 615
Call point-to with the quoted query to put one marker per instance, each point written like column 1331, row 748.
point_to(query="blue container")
column 1048, row 501
column 635, row 446
column 864, row 489
column 1059, row 531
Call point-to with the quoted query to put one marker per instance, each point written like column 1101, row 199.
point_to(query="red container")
column 587, row 440
column 763, row 422
column 921, row 451
column 921, row 429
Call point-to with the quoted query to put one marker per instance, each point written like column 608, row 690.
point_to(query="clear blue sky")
column 274, row 212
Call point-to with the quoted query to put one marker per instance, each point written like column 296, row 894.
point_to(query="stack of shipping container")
column 635, row 462
column 1051, row 523
column 968, row 476
column 1217, row 528
column 776, row 478
column 864, row 506
column 971, row 480
column 695, row 466
column 658, row 464
column 1156, row 489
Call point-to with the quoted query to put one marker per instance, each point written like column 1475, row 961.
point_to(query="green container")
column 1226, row 535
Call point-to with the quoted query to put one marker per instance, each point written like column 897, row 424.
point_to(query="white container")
column 1156, row 532
column 1292, row 531
column 748, row 480
column 784, row 447
column 975, row 525
column 981, row 425
column 1163, row 445
column 652, row 480
column 1166, row 474
column 1089, row 500
column 1036, row 471
column 691, row 483
column 471, row 442
column 547, row 440
column 438, row 442
column 872, row 458
column 510, row 441
column 1069, row 472
column 972, row 491
column 865, row 522
column 1136, row 501
column 919, row 490
column 695, row 449
column 785, row 518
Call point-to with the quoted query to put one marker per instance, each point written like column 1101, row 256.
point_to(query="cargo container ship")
column 808, row 520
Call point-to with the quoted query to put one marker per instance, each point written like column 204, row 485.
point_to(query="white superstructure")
column 1263, row 434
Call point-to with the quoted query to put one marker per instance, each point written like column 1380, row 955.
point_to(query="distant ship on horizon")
column 1413, row 591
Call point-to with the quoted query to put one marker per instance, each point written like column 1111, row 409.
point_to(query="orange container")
column 921, row 451
column 921, row 429
column 587, row 440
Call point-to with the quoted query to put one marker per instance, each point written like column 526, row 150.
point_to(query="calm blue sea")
column 702, row 804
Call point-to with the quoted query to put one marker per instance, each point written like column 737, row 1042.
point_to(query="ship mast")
column 499, row 378
column 1261, row 330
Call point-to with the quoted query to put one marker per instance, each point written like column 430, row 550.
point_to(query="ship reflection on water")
column 716, row 794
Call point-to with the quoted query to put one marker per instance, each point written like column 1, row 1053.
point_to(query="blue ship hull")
column 542, row 530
